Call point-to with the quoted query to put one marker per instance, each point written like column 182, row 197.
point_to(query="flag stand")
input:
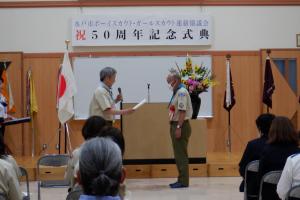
column 65, row 137
column 59, row 133
column 229, row 100
column 65, row 127
column 33, row 136
column 229, row 133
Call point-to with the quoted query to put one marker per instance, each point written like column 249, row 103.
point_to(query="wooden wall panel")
column 46, row 124
column 13, row 134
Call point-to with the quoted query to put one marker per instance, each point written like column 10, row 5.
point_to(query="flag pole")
column 32, row 119
column 228, row 56
column 67, row 42
column 268, row 57
column 65, row 127
column 59, row 133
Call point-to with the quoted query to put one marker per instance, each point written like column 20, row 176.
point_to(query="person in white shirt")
column 290, row 175
column 9, row 173
column 103, row 103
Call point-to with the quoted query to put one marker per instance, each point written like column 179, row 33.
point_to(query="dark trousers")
column 180, row 148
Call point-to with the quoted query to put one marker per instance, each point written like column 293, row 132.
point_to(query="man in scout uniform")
column 180, row 111
column 103, row 103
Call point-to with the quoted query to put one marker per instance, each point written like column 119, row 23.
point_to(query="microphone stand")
column 148, row 87
column 121, row 117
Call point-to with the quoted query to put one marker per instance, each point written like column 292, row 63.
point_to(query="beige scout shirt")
column 101, row 101
column 181, row 101
column 9, row 184
column 71, row 171
column 14, row 164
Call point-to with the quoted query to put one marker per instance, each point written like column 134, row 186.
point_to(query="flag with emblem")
column 229, row 99
column 66, row 90
column 269, row 85
column 6, row 88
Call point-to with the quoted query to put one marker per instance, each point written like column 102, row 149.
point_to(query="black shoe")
column 171, row 184
column 178, row 185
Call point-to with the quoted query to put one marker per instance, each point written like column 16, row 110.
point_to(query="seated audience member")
column 100, row 174
column 290, row 176
column 116, row 135
column 255, row 147
column 8, row 158
column 9, row 184
column 282, row 142
column 9, row 173
column 90, row 129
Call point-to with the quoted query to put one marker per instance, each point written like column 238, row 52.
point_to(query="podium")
column 16, row 121
column 12, row 122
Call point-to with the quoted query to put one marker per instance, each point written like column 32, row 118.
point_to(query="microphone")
column 119, row 90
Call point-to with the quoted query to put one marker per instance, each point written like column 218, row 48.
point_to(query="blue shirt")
column 90, row 197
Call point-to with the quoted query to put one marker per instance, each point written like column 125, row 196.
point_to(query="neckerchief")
column 174, row 92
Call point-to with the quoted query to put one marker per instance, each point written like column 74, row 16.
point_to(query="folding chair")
column 268, row 186
column 51, row 170
column 251, row 180
column 24, row 173
column 294, row 193
column 74, row 195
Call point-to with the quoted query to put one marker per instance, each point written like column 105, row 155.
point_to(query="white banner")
column 141, row 30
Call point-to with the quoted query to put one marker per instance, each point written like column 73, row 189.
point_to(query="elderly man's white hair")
column 174, row 74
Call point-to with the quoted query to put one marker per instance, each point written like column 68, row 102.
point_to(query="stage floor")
column 218, row 165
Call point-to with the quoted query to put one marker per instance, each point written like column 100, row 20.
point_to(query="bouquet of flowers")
column 197, row 79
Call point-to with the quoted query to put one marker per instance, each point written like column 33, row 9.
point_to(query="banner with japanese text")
column 98, row 30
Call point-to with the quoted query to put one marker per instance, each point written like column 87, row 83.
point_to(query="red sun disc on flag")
column 62, row 86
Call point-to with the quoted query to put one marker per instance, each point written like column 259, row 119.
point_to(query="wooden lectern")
column 147, row 136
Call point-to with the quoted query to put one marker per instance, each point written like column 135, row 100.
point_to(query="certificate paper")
column 139, row 104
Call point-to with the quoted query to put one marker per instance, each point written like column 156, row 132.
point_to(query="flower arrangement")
column 197, row 79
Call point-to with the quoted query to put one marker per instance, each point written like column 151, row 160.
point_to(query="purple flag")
column 269, row 86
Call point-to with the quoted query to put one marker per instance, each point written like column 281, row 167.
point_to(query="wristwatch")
column 178, row 126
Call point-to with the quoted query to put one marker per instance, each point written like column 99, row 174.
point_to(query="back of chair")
column 50, row 171
column 54, row 160
column 74, row 195
column 294, row 193
column 51, row 165
column 3, row 196
column 24, row 173
column 268, row 186
column 251, row 178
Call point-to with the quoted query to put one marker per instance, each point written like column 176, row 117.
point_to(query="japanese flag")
column 66, row 90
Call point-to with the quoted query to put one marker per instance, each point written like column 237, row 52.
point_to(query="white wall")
column 235, row 27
